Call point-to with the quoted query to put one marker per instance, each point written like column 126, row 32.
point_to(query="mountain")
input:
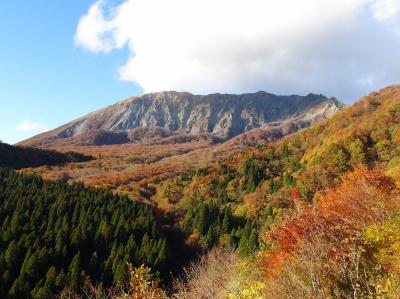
column 163, row 114
column 261, row 183
column 323, row 204
column 311, row 160
column 132, row 160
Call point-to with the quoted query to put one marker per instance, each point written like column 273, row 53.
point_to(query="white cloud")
column 384, row 10
column 31, row 126
column 344, row 48
column 93, row 31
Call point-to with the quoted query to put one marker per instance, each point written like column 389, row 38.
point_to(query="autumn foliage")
column 321, row 251
column 335, row 184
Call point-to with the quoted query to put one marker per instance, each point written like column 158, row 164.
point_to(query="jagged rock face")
column 221, row 115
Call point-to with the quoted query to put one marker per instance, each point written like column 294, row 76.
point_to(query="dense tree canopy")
column 261, row 183
column 17, row 157
column 343, row 246
column 57, row 236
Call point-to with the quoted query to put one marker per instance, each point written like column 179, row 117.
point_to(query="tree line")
column 17, row 157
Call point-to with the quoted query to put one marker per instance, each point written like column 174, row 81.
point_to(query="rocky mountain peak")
column 220, row 115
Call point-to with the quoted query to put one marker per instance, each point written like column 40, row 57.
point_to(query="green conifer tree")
column 74, row 269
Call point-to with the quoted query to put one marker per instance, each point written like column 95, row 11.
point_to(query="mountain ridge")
column 220, row 115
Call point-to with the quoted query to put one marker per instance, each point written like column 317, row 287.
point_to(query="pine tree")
column 76, row 239
column 162, row 253
column 120, row 273
column 154, row 230
column 357, row 152
column 12, row 255
column 20, row 289
column 209, row 239
column 61, row 280
column 203, row 219
column 41, row 293
column 51, row 277
column 131, row 248
column 253, row 241
column 341, row 160
column 33, row 266
column 226, row 222
column 22, row 272
column 244, row 244
column 251, row 185
column 75, row 268
column 244, row 239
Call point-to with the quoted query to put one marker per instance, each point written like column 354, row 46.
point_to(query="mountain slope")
column 232, row 203
column 17, row 157
column 320, row 196
column 260, row 183
column 58, row 237
column 220, row 115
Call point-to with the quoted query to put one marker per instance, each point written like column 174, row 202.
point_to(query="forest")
column 58, row 236
column 339, row 176
column 312, row 215
column 17, row 157
column 259, row 183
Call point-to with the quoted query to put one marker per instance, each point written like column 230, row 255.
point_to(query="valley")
column 264, row 207
column 136, row 159
column 183, row 149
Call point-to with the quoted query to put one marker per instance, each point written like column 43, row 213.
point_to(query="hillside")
column 57, row 237
column 163, row 114
column 323, row 203
column 61, row 238
column 312, row 215
column 17, row 157
column 345, row 245
column 259, row 184
column 314, row 158
column 133, row 153
column 282, row 206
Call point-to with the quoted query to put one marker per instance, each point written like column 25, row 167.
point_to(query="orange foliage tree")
column 319, row 251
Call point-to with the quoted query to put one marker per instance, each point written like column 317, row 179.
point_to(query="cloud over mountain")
column 344, row 48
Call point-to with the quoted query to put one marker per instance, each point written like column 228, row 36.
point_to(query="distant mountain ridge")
column 16, row 157
column 162, row 114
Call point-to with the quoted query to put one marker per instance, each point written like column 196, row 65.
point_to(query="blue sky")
column 62, row 59
column 44, row 78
